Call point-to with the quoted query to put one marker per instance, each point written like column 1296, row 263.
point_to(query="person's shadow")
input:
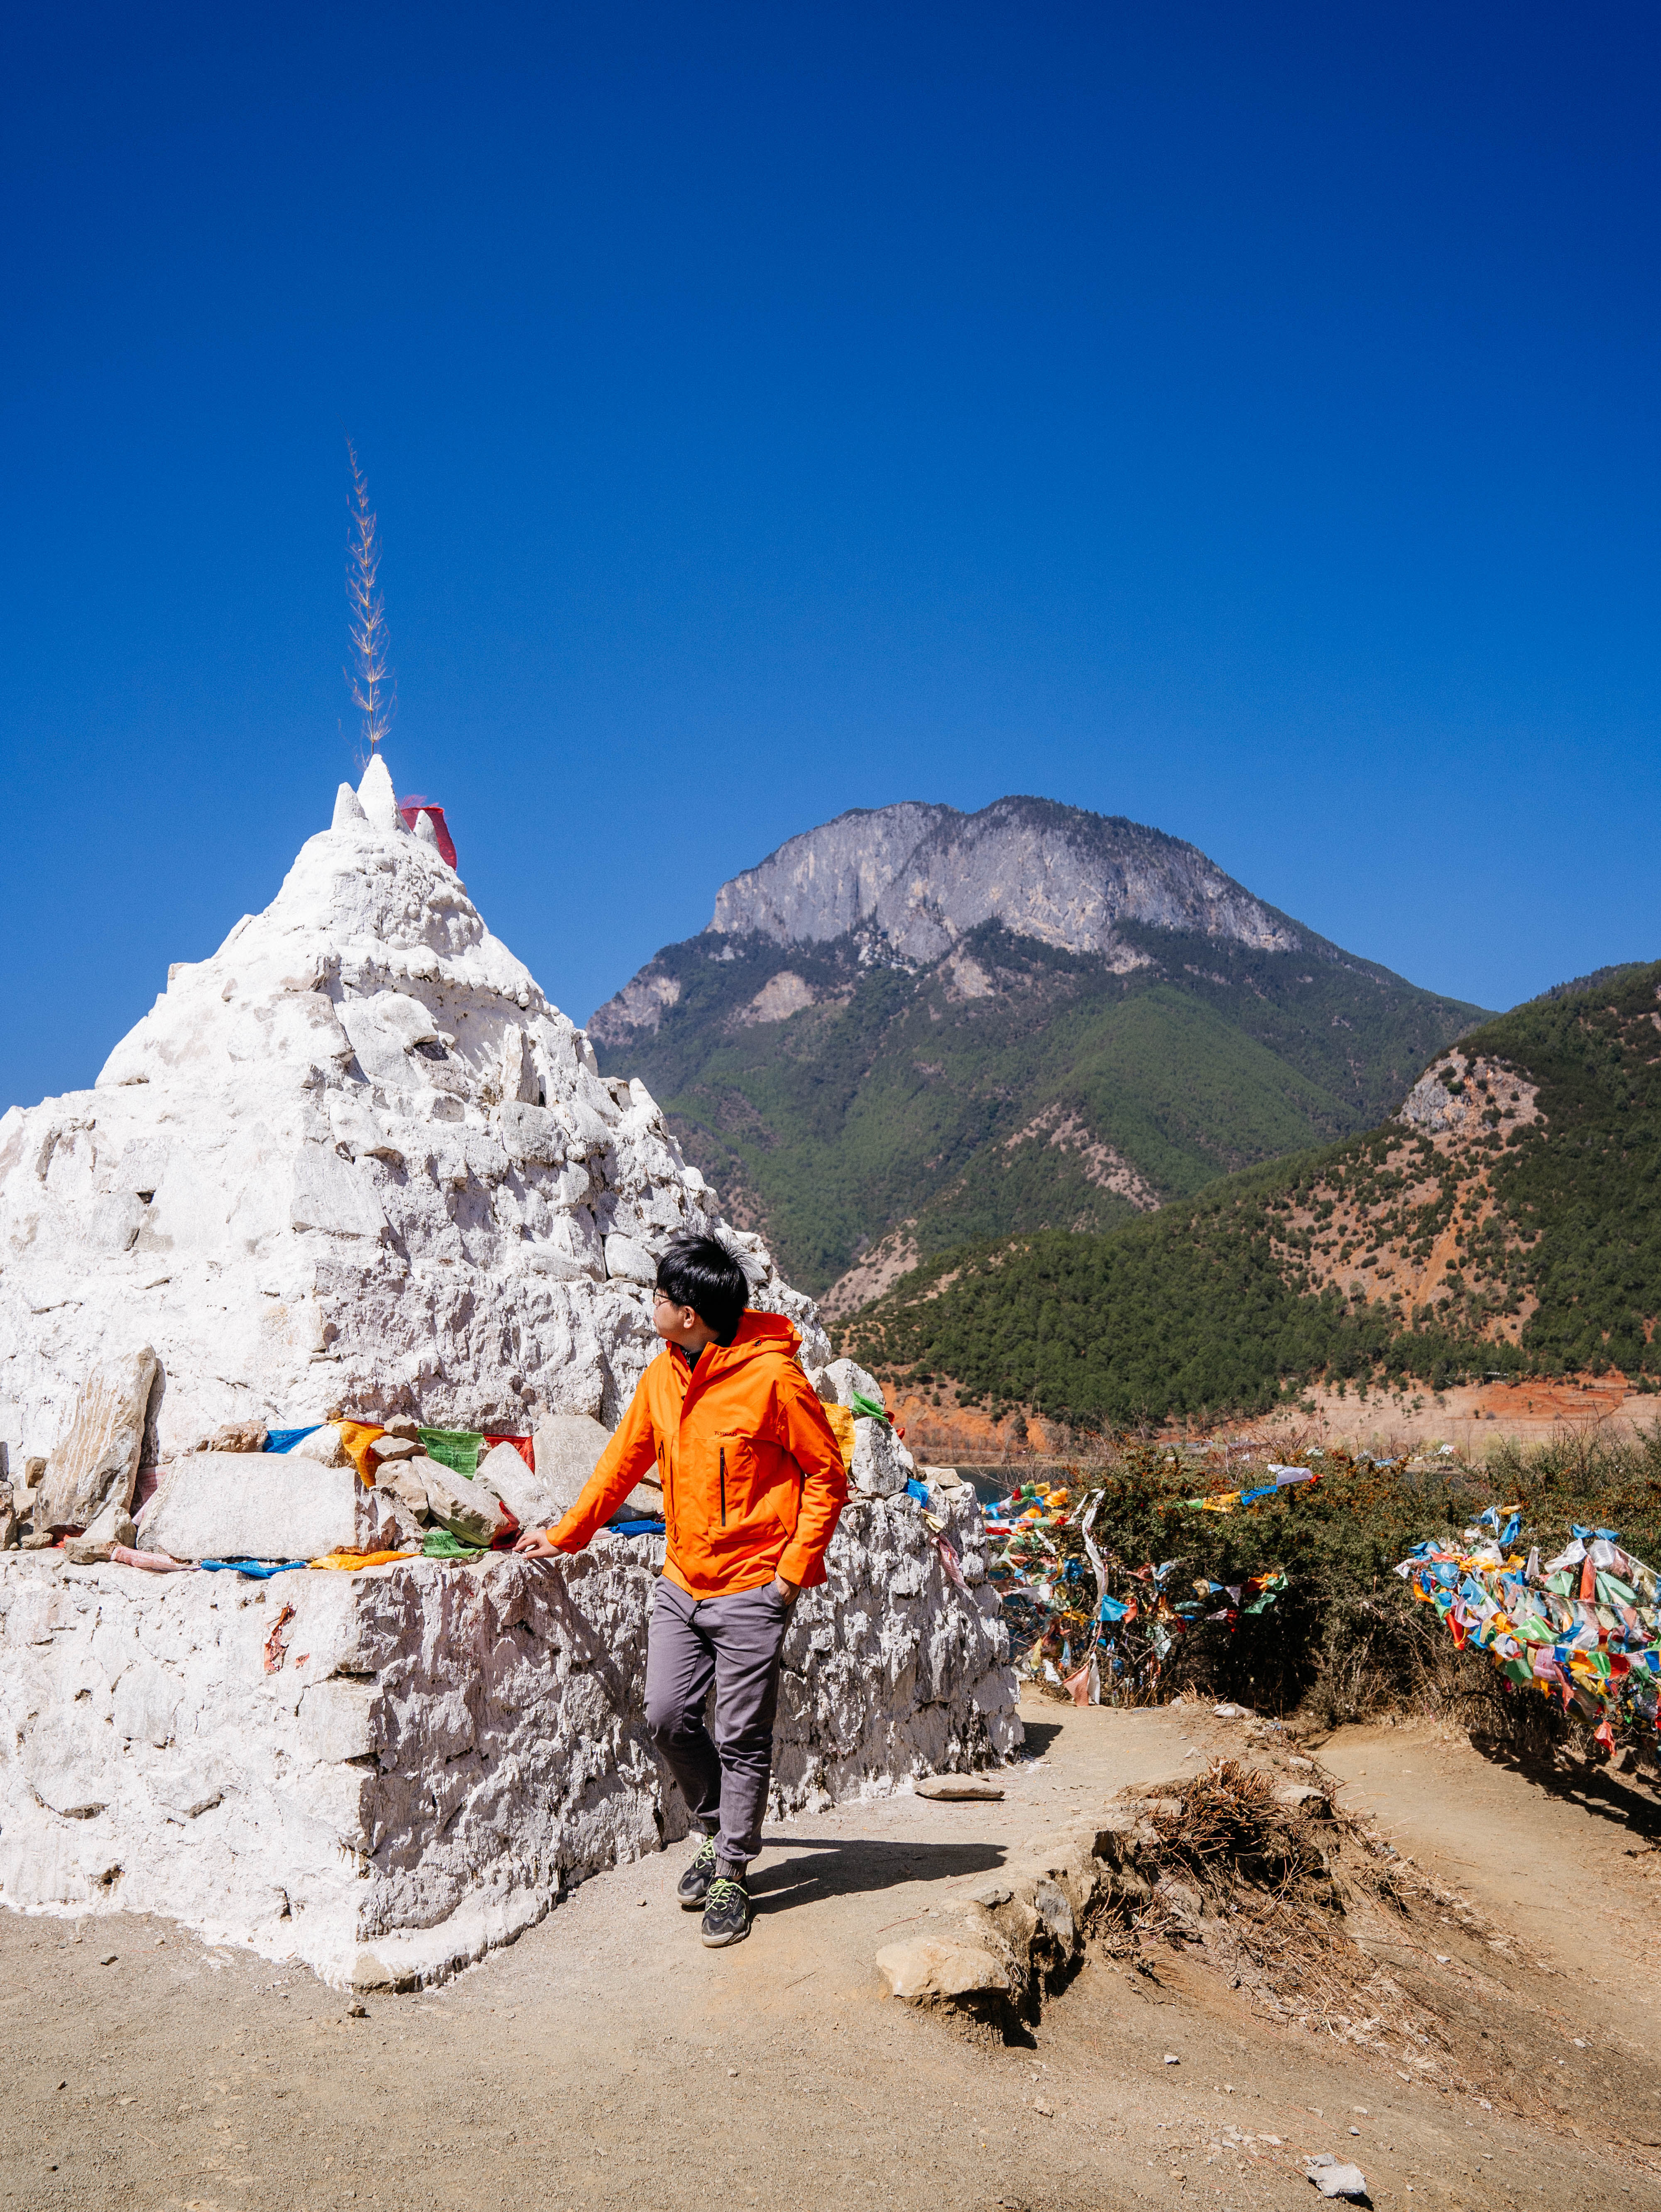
column 827, row 1867
column 1038, row 1737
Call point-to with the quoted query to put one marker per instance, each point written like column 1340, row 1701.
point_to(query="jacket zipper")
column 723, row 1485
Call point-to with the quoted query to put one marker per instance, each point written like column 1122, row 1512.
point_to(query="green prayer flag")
column 440, row 1544
column 456, row 1448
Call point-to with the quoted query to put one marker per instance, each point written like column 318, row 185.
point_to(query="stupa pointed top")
column 379, row 801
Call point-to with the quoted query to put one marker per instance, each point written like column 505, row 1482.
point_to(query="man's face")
column 677, row 1324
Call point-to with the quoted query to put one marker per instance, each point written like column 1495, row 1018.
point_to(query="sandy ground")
column 1472, row 1417
column 608, row 2059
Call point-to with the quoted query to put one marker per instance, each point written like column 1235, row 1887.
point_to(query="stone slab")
column 882, row 1466
column 567, row 1447
column 261, row 1505
column 96, row 1465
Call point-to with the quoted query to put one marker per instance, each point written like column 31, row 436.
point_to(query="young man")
column 752, row 1485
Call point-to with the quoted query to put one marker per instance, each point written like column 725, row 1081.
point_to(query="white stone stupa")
column 355, row 1161
column 355, row 1164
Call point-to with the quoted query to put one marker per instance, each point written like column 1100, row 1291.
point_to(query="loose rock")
column 922, row 1972
column 1335, row 2179
column 1305, row 1797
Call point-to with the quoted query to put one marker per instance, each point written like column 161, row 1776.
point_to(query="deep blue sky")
column 1241, row 419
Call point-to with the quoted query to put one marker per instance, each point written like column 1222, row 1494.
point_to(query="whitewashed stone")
column 355, row 1129
column 629, row 1261
column 425, row 830
column 526, row 1495
column 348, row 810
column 329, row 1196
column 400, row 1482
column 882, row 1466
column 844, row 1377
column 260, row 1505
column 323, row 1444
column 470, row 1507
column 533, row 1136
column 379, row 801
column 567, row 1447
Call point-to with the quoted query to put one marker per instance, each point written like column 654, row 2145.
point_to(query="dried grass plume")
column 369, row 679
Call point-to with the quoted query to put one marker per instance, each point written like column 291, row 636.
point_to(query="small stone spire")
column 425, row 830
column 379, row 801
column 347, row 813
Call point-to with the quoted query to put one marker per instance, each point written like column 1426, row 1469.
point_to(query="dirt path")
column 1569, row 1863
column 607, row 2059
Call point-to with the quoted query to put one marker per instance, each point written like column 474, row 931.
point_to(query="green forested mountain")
column 1509, row 1218
column 890, row 1088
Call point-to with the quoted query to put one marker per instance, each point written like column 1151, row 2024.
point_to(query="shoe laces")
column 720, row 1887
column 705, row 1854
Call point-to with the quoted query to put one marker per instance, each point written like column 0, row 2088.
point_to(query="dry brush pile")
column 1245, row 1871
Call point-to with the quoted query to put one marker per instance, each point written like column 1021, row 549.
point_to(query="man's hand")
column 786, row 1593
column 537, row 1544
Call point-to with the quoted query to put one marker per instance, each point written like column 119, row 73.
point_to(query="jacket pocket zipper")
column 723, row 1485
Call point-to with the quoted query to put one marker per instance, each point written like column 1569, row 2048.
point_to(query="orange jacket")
column 753, row 1476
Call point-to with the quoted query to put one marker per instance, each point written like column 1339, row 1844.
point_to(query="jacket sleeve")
column 808, row 1436
column 631, row 1452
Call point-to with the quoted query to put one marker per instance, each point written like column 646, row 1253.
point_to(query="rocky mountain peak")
column 918, row 876
column 827, row 881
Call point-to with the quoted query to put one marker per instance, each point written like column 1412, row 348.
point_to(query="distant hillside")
column 913, row 1027
column 1509, row 1217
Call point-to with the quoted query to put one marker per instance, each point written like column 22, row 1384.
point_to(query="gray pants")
column 734, row 1641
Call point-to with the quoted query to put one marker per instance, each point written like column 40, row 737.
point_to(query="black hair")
column 701, row 1273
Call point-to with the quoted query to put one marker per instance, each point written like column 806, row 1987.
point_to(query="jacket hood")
column 761, row 1332
column 757, row 1332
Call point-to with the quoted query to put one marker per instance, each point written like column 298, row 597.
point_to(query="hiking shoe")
column 726, row 1916
column 694, row 1884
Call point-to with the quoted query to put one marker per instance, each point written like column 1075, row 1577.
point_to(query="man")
column 752, row 1486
